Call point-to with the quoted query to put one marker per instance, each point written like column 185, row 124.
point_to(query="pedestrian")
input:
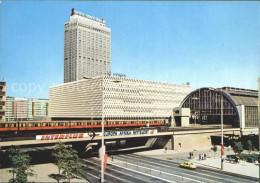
column 112, row 158
column 205, row 156
column 236, row 160
column 229, row 158
column 190, row 155
column 199, row 156
column 193, row 154
column 202, row 156
column 165, row 149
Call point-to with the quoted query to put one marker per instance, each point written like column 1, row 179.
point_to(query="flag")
column 105, row 162
column 222, row 150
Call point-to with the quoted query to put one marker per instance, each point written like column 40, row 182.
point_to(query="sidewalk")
column 43, row 172
column 242, row 168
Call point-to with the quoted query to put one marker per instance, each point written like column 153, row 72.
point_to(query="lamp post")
column 103, row 150
column 222, row 139
column 103, row 129
column 221, row 116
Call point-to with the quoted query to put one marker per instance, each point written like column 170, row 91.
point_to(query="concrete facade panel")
column 123, row 98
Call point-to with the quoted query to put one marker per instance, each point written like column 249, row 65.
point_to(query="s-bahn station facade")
column 240, row 106
column 130, row 99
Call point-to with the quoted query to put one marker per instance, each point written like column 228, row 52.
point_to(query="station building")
column 240, row 106
column 121, row 98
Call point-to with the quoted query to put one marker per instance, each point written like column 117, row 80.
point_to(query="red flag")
column 105, row 162
column 222, row 150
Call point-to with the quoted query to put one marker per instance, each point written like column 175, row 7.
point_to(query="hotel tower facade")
column 87, row 47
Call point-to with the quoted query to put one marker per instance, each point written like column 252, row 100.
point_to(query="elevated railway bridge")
column 173, row 138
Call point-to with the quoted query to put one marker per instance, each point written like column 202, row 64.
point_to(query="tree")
column 67, row 161
column 58, row 154
column 214, row 148
column 238, row 147
column 249, row 146
column 71, row 164
column 20, row 164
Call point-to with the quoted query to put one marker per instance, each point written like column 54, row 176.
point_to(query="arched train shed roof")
column 242, row 96
column 237, row 96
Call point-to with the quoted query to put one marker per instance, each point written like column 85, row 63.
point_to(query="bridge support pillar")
column 172, row 144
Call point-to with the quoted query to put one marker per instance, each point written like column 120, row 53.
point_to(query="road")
column 140, row 169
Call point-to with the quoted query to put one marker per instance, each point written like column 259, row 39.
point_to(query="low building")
column 120, row 97
column 240, row 106
column 26, row 109
column 2, row 100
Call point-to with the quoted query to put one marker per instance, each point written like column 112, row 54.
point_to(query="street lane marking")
column 105, row 173
column 93, row 175
column 165, row 172
column 170, row 163
column 141, row 173
column 175, row 168
column 228, row 176
column 126, row 174
column 115, row 177
column 91, row 162
column 112, row 169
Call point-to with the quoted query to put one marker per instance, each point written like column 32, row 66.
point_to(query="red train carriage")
column 57, row 125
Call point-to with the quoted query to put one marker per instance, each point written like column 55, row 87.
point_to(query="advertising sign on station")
column 86, row 135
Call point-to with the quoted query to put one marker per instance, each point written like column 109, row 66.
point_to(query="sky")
column 208, row 44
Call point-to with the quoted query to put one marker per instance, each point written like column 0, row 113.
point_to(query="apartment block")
column 2, row 100
column 26, row 109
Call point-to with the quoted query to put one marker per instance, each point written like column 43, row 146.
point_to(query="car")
column 188, row 165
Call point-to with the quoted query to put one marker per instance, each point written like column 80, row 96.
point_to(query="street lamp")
column 103, row 150
column 222, row 139
column 194, row 98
